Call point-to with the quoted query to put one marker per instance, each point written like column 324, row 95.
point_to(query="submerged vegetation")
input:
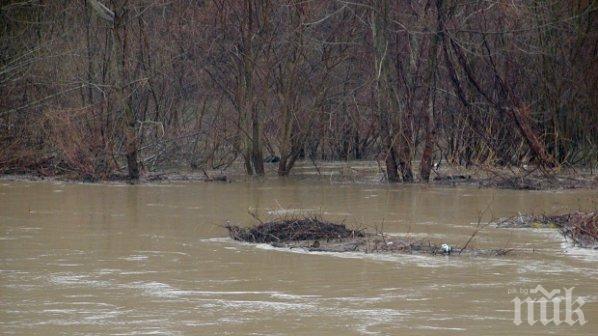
column 581, row 228
column 102, row 88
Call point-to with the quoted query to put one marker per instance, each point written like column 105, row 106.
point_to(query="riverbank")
column 152, row 177
column 362, row 172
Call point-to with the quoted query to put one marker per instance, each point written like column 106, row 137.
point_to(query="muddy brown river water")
column 97, row 259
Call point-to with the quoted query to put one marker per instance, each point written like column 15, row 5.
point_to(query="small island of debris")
column 317, row 235
column 581, row 228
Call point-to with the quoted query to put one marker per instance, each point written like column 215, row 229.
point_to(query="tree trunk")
column 250, row 119
column 286, row 134
column 381, row 75
column 426, row 160
column 428, row 108
column 391, row 166
column 123, row 93
column 245, row 123
column 257, row 158
column 520, row 115
column 406, row 145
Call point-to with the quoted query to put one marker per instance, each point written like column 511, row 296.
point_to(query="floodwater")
column 101, row 259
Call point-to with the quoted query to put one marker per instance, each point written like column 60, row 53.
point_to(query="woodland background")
column 94, row 88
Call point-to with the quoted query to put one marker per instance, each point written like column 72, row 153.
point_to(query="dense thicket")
column 96, row 87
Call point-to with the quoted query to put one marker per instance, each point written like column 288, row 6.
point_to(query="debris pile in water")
column 314, row 234
column 289, row 230
column 581, row 228
column 522, row 221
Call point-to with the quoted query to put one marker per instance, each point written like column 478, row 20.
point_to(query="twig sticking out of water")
column 478, row 228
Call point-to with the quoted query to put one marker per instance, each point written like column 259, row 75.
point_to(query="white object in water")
column 446, row 248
